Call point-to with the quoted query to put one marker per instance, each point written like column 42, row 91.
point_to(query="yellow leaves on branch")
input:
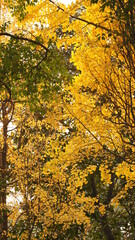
column 126, row 170
column 79, row 177
column 49, row 158
column 102, row 209
column 105, row 174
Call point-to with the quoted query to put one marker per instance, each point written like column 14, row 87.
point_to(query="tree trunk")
column 107, row 229
column 3, row 175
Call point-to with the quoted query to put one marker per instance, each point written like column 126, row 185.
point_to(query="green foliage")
column 18, row 7
column 26, row 71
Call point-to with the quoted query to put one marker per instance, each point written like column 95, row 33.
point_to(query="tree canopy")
column 67, row 117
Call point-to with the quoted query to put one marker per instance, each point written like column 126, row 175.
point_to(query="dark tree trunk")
column 3, row 176
column 107, row 229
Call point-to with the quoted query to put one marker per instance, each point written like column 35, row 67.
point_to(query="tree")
column 75, row 152
column 102, row 105
column 27, row 67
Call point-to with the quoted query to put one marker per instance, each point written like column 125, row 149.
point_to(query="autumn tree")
column 27, row 67
column 75, row 153
column 102, row 106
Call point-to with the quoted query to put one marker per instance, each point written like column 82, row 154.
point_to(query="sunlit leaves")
column 71, row 154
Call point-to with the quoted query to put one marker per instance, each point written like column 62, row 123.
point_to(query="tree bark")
column 3, row 187
column 103, row 220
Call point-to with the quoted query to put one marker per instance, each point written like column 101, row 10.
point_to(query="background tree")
column 27, row 67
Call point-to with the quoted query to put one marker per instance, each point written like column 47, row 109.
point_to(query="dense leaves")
column 67, row 87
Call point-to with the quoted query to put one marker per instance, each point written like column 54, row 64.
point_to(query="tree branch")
column 83, row 20
column 24, row 39
column 8, row 89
